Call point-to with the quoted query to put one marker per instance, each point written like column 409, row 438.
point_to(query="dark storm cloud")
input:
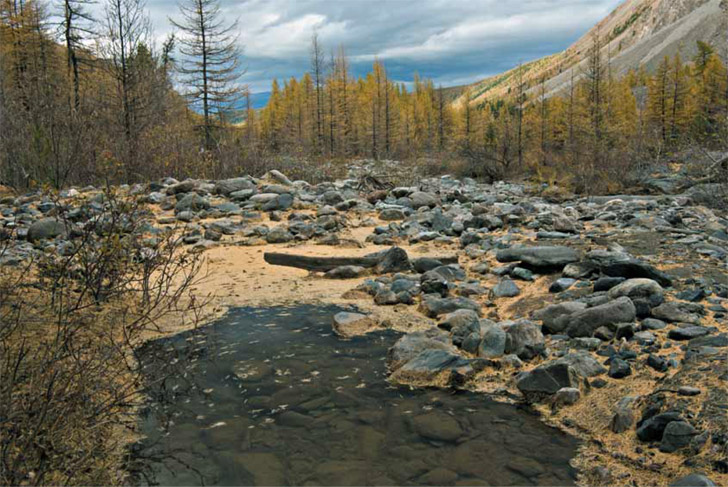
column 453, row 42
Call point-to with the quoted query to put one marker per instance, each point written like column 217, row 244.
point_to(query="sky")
column 452, row 42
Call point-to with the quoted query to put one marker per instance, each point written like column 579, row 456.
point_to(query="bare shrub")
column 69, row 325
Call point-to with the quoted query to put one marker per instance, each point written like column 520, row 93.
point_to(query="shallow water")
column 272, row 397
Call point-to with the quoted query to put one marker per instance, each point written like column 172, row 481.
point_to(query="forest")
column 86, row 99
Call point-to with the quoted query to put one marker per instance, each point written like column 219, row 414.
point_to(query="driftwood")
column 325, row 264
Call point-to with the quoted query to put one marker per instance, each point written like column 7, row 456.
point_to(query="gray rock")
column 677, row 435
column 675, row 313
column 279, row 177
column 493, row 344
column 687, row 333
column 192, row 202
column 561, row 285
column 635, row 268
column 583, row 363
column 393, row 260
column 433, row 305
column 278, row 235
column 46, row 228
column 525, row 340
column 619, row 369
column 279, row 203
column 554, row 317
column 346, row 272
column 506, row 289
column 584, row 323
column 657, row 363
column 227, row 186
column 566, row 396
column 432, row 362
column 639, row 288
column 421, row 199
column 694, row 480
column 438, row 426
column 460, row 323
column 391, row 214
column 623, row 417
column 651, row 429
column 412, row 344
column 546, row 380
column 539, row 257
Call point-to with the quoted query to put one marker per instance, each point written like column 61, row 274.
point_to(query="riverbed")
column 270, row 396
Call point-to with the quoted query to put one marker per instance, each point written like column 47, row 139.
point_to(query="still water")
column 271, row 397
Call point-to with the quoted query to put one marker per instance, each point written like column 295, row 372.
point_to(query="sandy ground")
column 236, row 275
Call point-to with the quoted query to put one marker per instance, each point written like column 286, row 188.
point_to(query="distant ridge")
column 637, row 33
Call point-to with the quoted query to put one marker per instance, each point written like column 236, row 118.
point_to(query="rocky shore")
column 608, row 314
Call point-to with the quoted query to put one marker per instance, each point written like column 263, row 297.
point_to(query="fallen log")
column 325, row 264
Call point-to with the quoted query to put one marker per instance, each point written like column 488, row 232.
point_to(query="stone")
column 539, row 257
column 412, row 344
column 633, row 268
column 424, row 264
column 460, row 323
column 525, row 340
column 561, row 285
column 506, row 289
column 192, row 202
column 657, row 363
column 607, row 283
column 433, row 305
column 522, row 274
column 583, row 363
column 278, row 235
column 553, row 317
column 438, row 426
column 226, row 187
column 546, row 380
column 687, row 333
column 651, row 429
column 693, row 480
column 675, row 313
column 393, row 260
column 386, row 297
column 346, row 272
column 653, row 324
column 623, row 417
column 431, row 362
column 493, row 344
column 619, row 369
column 46, row 228
column 278, row 203
column 677, row 435
column 347, row 324
column 279, row 177
column 566, row 396
column 421, row 199
column 584, row 323
column 640, row 288
column 688, row 391
column 391, row 214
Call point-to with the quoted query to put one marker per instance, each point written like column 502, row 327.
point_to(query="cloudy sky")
column 451, row 41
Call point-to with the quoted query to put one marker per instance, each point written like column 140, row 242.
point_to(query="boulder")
column 46, row 228
column 525, row 340
column 652, row 428
column 393, row 260
column 505, row 289
column 677, row 435
column 639, row 289
column 433, row 305
column 347, row 324
column 438, row 426
column 554, row 317
column 227, row 186
column 546, row 380
column 693, row 480
column 539, row 257
column 412, row 344
column 421, row 199
column 584, row 323
column 493, row 344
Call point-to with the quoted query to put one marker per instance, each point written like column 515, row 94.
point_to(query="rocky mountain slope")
column 637, row 33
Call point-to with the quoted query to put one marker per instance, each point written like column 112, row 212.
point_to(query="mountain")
column 637, row 33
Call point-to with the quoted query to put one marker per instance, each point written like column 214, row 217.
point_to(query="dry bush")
column 69, row 325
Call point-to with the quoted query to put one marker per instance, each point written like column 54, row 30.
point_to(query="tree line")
column 85, row 99
column 592, row 133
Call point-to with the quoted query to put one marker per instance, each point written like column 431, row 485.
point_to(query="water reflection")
column 271, row 397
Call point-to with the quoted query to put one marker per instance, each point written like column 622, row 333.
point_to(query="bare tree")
column 127, row 30
column 317, row 70
column 211, row 66
column 76, row 25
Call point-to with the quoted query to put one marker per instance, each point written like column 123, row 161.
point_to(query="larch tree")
column 211, row 64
